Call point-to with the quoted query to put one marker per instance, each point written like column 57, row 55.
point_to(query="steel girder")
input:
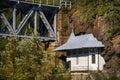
column 6, row 22
column 32, row 15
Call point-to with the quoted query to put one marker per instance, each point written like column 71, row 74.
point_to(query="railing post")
column 53, row 2
column 65, row 4
column 40, row 1
column 46, row 1
column 70, row 4
column 60, row 2
column 33, row 1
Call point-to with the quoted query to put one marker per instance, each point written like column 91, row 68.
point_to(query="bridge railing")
column 48, row 2
column 66, row 4
column 62, row 3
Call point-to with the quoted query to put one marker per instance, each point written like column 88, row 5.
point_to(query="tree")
column 27, row 60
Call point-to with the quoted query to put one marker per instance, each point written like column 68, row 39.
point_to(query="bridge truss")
column 24, row 18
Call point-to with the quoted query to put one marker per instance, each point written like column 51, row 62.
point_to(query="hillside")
column 102, row 18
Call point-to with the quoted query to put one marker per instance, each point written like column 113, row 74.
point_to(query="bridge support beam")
column 24, row 21
column 35, row 23
column 55, row 24
column 7, row 24
column 46, row 23
column 14, row 18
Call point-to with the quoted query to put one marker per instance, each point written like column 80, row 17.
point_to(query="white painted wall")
column 83, row 60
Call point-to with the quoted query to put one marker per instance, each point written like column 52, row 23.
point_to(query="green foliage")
column 100, row 76
column 65, row 26
column 111, row 32
column 60, row 73
column 97, row 76
column 27, row 60
column 112, row 78
column 89, row 10
column 3, row 43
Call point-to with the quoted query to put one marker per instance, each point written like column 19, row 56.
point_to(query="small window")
column 93, row 50
column 93, row 58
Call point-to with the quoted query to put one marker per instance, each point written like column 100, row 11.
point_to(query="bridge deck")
column 25, row 4
column 35, row 4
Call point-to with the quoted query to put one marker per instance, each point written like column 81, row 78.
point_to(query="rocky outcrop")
column 112, row 56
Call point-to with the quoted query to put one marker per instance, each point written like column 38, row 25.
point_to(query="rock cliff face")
column 111, row 51
column 111, row 55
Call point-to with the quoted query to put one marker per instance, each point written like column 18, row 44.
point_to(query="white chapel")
column 83, row 52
